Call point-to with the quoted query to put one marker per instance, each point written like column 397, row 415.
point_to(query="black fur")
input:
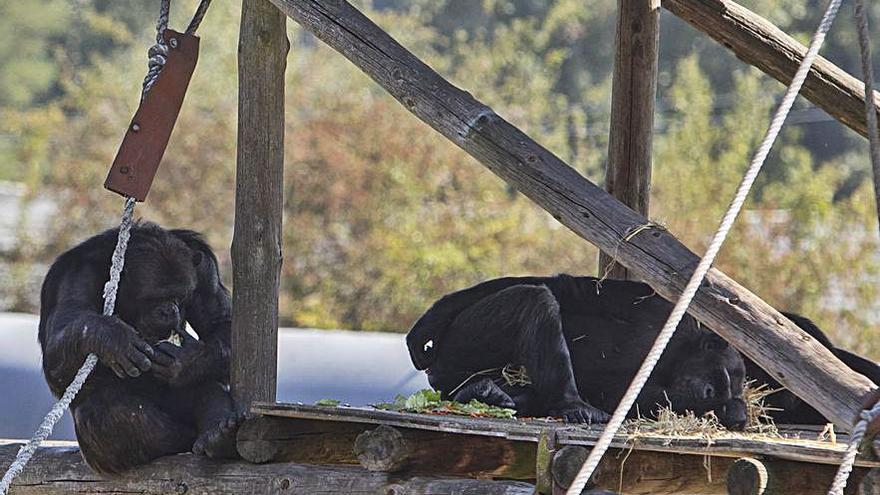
column 581, row 344
column 147, row 397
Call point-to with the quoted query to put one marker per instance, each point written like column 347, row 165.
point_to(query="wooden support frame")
column 633, row 91
column 763, row 334
column 256, row 243
column 60, row 470
column 759, row 331
column 758, row 42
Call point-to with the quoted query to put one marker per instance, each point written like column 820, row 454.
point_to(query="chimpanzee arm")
column 209, row 312
column 431, row 326
column 72, row 326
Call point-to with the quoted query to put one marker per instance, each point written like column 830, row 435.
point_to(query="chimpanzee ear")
column 197, row 258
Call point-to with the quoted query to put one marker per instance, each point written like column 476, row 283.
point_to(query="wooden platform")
column 299, row 449
column 527, row 449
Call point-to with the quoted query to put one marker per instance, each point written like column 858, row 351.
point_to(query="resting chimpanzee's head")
column 710, row 378
column 158, row 279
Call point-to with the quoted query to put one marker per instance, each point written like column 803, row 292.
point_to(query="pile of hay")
column 687, row 424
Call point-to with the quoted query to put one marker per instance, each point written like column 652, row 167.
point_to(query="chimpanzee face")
column 711, row 379
column 158, row 281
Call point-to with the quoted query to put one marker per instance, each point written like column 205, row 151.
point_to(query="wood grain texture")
column 61, row 470
column 256, row 243
column 795, row 445
column 758, row 42
column 658, row 258
column 633, row 91
column 390, row 449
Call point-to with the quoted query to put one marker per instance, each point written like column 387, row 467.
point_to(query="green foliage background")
column 383, row 216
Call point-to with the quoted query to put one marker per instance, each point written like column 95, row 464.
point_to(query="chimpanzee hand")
column 176, row 365
column 118, row 346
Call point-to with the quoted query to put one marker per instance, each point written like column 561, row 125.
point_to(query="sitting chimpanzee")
column 581, row 343
column 783, row 405
column 147, row 397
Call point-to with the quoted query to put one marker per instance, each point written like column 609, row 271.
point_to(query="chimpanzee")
column 783, row 405
column 581, row 342
column 147, row 397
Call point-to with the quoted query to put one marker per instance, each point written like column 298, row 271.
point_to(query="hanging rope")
column 867, row 416
column 855, row 440
column 157, row 57
column 705, row 264
column 110, row 288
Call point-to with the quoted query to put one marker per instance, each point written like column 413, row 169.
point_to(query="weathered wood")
column 268, row 439
column 870, row 484
column 758, row 42
column 633, row 472
column 391, row 449
column 795, row 445
column 747, row 476
column 547, row 447
column 61, row 470
column 762, row 333
column 633, row 91
column 639, row 472
column 256, row 243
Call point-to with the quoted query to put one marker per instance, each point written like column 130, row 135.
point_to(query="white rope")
column 110, row 288
column 867, row 416
column 849, row 457
column 705, row 264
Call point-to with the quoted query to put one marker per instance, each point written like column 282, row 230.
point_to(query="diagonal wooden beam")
column 759, row 42
column 655, row 256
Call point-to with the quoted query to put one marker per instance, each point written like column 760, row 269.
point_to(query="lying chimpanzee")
column 147, row 397
column 581, row 343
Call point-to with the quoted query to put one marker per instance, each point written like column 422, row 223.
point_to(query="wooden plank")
column 758, row 42
column 61, row 470
column 256, row 243
column 392, row 450
column 795, row 445
column 633, row 91
column 790, row 355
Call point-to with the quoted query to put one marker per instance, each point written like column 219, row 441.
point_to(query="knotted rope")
column 705, row 264
column 157, row 57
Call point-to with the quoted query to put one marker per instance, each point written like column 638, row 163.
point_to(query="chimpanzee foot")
column 219, row 441
column 580, row 413
column 485, row 391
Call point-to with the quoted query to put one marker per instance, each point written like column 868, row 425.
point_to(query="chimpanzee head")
column 710, row 378
column 158, row 279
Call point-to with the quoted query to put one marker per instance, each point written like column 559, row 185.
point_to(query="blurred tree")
column 383, row 216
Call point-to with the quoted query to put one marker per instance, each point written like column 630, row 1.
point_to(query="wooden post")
column 790, row 355
column 256, row 243
column 756, row 41
column 633, row 90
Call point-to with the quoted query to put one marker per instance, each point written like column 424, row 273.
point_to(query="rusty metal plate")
column 147, row 136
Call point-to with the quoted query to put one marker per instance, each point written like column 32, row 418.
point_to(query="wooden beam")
column 61, row 470
column 256, row 242
column 758, row 42
column 655, row 256
column 633, row 91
